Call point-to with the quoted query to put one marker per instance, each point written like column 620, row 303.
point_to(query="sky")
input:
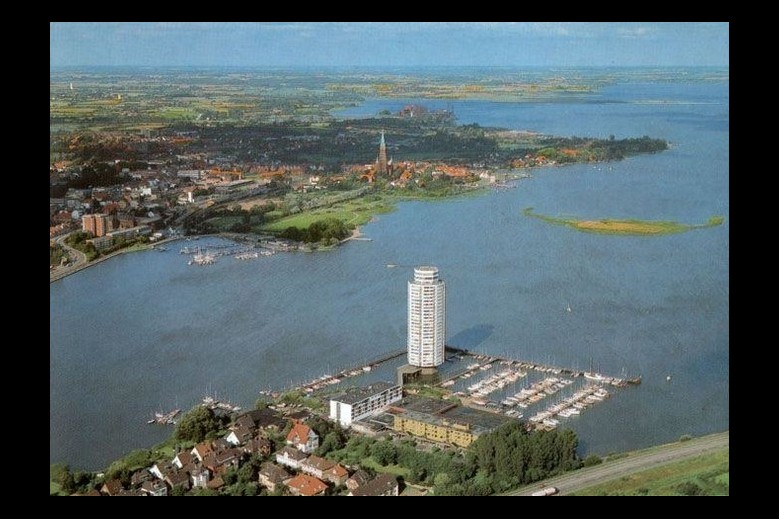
column 377, row 44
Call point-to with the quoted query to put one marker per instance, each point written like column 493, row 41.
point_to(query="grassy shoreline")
column 359, row 211
column 708, row 474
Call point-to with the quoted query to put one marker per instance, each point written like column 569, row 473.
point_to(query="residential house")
column 201, row 450
column 336, row 475
column 258, row 445
column 240, row 435
column 139, row 477
column 315, row 466
column 381, row 485
column 271, row 475
column 357, row 479
column 220, row 444
column 162, row 469
column 178, row 478
column 111, row 487
column 154, row 488
column 290, row 457
column 262, row 419
column 183, row 458
column 303, row 437
column 220, row 462
column 305, row 485
column 199, row 477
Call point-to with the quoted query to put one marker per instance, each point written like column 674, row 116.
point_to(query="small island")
column 626, row 227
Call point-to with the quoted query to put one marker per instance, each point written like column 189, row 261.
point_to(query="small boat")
column 668, row 378
column 568, row 308
column 391, row 265
column 151, row 421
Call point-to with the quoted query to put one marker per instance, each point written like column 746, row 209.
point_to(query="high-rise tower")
column 426, row 318
column 381, row 160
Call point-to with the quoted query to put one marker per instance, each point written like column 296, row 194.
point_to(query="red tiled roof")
column 307, row 485
column 337, row 471
column 299, row 433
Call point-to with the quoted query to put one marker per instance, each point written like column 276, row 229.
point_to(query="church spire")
column 381, row 160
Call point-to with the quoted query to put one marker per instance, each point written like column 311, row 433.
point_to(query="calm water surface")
column 145, row 331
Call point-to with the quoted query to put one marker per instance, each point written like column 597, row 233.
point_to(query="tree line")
column 504, row 459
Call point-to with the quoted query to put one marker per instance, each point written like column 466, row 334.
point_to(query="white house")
column 290, row 457
column 302, row 437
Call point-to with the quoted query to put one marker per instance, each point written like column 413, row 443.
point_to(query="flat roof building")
column 360, row 402
column 443, row 422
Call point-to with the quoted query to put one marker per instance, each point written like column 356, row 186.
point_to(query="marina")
column 547, row 394
column 517, row 388
column 161, row 418
column 208, row 255
column 215, row 404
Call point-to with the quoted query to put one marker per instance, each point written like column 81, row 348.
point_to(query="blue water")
column 145, row 331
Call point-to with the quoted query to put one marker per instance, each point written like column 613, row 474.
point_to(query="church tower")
column 381, row 161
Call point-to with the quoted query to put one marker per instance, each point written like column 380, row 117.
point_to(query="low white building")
column 358, row 403
column 290, row 457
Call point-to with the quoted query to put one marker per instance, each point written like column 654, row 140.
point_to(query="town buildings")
column 95, row 224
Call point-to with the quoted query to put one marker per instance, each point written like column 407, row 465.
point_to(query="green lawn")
column 353, row 212
column 391, row 469
column 707, row 475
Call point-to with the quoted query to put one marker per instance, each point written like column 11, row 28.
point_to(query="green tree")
column 66, row 480
column 384, row 452
column 197, row 424
column 331, row 442
column 178, row 490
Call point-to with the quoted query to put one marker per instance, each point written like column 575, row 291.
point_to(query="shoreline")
column 56, row 276
column 356, row 234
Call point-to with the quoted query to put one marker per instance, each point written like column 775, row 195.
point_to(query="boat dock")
column 495, row 374
column 208, row 255
column 348, row 372
column 165, row 418
column 501, row 385
column 215, row 404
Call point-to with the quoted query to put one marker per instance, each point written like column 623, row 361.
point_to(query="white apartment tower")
column 426, row 318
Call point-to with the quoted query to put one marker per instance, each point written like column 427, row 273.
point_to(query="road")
column 636, row 462
column 78, row 257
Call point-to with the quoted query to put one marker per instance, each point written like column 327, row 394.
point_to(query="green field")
column 704, row 475
column 353, row 213
column 625, row 227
